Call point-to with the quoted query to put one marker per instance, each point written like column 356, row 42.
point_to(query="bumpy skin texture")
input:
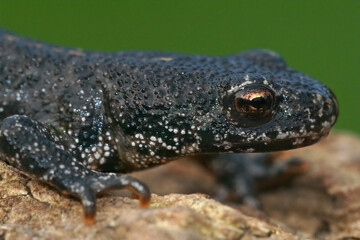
column 68, row 115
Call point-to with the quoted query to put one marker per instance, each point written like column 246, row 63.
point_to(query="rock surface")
column 323, row 203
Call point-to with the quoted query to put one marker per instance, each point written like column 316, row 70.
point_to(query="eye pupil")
column 246, row 106
column 258, row 102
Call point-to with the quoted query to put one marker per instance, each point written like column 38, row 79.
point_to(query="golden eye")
column 255, row 102
column 250, row 106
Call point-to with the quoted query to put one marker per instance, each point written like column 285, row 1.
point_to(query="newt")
column 79, row 120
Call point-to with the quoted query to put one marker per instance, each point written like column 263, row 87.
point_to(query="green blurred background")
column 318, row 37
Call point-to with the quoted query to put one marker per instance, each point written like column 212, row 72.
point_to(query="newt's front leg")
column 31, row 147
column 242, row 176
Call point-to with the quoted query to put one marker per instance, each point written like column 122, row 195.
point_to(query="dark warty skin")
column 79, row 119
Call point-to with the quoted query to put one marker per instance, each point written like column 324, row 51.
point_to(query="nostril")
column 327, row 105
column 330, row 104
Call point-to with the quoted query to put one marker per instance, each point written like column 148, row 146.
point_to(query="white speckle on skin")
column 97, row 155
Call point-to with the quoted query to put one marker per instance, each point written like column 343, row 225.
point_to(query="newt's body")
column 69, row 116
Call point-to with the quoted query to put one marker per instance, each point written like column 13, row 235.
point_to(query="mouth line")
column 279, row 144
column 313, row 135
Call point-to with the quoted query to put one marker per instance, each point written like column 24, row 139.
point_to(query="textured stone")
column 323, row 203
